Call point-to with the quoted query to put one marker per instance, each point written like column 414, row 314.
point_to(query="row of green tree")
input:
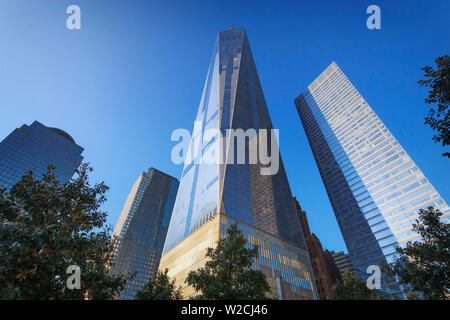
column 424, row 267
column 46, row 226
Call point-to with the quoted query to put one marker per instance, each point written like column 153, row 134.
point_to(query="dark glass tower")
column 233, row 99
column 142, row 228
column 34, row 148
column 215, row 194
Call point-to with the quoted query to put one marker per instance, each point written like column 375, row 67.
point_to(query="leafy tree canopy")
column 228, row 273
column 352, row 288
column 47, row 226
column 439, row 83
column 425, row 265
column 161, row 288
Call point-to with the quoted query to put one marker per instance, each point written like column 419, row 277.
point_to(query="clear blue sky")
column 136, row 70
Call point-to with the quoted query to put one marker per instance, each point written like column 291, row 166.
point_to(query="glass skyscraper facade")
column 34, row 148
column 233, row 99
column 375, row 188
column 142, row 229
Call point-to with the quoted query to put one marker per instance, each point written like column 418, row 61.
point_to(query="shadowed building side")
column 142, row 229
column 326, row 273
column 343, row 262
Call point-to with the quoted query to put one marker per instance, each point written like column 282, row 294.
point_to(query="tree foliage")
column 47, row 226
column 228, row 273
column 352, row 288
column 425, row 265
column 439, row 83
column 161, row 288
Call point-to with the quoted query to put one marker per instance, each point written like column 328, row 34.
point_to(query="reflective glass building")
column 375, row 188
column 34, row 148
column 261, row 203
column 142, row 228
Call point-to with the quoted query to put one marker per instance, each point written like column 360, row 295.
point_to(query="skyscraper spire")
column 232, row 100
column 214, row 195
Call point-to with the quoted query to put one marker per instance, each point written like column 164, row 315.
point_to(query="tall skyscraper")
column 142, row 228
column 326, row 273
column 34, row 148
column 215, row 195
column 375, row 188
